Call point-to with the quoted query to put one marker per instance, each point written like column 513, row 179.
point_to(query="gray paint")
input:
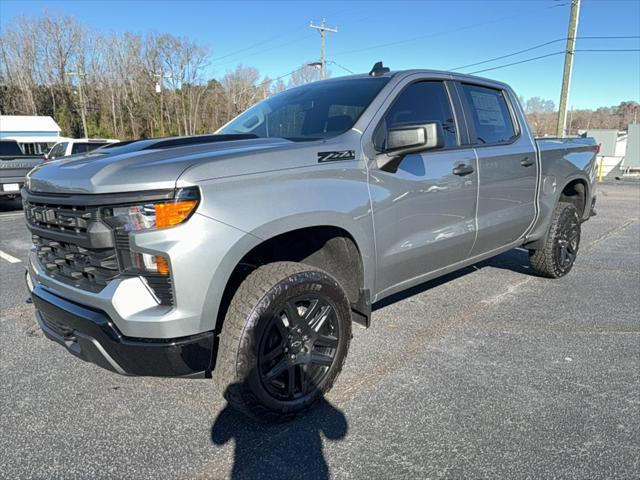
column 632, row 155
column 410, row 226
column 607, row 140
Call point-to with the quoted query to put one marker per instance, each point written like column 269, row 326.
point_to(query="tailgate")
column 17, row 168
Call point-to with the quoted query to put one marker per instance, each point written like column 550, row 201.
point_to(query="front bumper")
column 91, row 335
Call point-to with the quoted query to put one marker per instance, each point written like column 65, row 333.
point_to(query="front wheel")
column 558, row 254
column 284, row 340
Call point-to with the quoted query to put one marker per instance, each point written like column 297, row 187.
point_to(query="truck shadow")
column 280, row 450
column 516, row 260
column 10, row 205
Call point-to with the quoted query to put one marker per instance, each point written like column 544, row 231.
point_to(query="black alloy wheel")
column 558, row 253
column 566, row 245
column 284, row 340
column 298, row 347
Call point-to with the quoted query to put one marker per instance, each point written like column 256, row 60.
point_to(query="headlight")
column 163, row 214
column 126, row 219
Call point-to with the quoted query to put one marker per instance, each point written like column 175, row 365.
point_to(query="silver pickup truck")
column 247, row 255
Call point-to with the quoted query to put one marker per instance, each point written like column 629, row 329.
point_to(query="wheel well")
column 576, row 193
column 331, row 249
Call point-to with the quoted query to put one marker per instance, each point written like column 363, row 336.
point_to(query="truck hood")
column 139, row 166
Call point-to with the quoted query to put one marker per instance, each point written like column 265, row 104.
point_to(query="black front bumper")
column 90, row 335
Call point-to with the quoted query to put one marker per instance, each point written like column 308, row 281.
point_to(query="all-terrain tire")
column 557, row 256
column 257, row 302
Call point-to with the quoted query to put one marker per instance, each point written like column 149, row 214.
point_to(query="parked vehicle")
column 249, row 254
column 14, row 165
column 76, row 146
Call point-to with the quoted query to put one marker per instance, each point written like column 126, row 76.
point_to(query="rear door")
column 424, row 213
column 508, row 170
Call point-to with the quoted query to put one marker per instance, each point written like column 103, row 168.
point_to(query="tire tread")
column 542, row 260
column 249, row 294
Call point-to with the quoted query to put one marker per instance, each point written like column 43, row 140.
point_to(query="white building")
column 35, row 134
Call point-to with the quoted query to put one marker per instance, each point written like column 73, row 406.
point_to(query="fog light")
column 144, row 262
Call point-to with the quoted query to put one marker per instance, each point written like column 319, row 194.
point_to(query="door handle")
column 463, row 169
column 526, row 162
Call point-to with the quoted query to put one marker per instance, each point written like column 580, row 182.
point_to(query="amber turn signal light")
column 162, row 265
column 173, row 213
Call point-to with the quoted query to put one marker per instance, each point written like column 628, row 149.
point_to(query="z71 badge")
column 336, row 156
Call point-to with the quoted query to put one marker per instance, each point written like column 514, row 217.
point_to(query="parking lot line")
column 9, row 258
column 11, row 215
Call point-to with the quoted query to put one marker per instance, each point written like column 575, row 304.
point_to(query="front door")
column 424, row 213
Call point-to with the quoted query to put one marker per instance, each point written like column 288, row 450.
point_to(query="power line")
column 262, row 42
column 344, row 68
column 442, row 32
column 517, row 63
column 551, row 55
column 535, row 47
column 608, row 50
column 257, row 44
column 297, row 40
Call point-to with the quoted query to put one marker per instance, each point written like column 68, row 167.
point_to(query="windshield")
column 316, row 111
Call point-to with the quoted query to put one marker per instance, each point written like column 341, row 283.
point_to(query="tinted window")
column 58, row 150
column 84, row 147
column 490, row 114
column 423, row 102
column 314, row 111
column 10, row 147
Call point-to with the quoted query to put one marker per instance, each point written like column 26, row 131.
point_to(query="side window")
column 423, row 102
column 490, row 114
column 58, row 150
column 84, row 147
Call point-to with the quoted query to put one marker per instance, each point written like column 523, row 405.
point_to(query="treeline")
column 543, row 117
column 137, row 86
column 127, row 85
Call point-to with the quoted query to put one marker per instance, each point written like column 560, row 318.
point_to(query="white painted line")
column 11, row 215
column 9, row 258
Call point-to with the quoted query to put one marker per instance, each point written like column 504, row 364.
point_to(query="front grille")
column 90, row 269
column 59, row 218
column 76, row 247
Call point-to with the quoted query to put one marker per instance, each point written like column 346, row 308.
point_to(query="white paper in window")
column 488, row 109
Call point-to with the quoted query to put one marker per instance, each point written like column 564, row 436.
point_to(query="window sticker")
column 488, row 109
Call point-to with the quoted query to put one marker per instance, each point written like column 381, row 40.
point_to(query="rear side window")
column 84, row 147
column 10, row 147
column 424, row 102
column 490, row 114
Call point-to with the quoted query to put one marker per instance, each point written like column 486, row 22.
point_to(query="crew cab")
column 247, row 255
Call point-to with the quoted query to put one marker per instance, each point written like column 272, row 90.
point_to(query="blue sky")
column 275, row 38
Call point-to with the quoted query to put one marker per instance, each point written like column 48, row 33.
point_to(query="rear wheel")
column 284, row 340
column 557, row 256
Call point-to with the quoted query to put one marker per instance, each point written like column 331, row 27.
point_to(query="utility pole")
column 323, row 59
column 568, row 67
column 159, row 89
column 80, row 74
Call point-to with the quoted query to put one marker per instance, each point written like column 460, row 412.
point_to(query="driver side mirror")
column 406, row 139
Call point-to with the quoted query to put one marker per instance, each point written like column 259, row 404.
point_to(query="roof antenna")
column 378, row 69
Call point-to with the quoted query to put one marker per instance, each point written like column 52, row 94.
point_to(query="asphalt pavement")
column 489, row 372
